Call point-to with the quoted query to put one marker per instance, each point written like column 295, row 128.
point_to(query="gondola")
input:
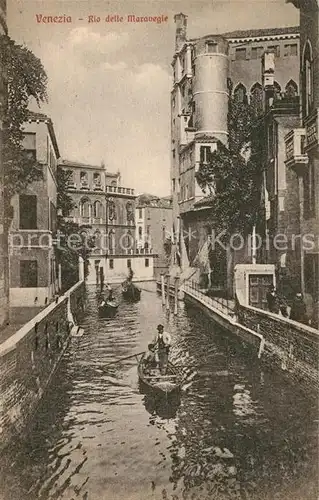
column 168, row 383
column 130, row 292
column 108, row 310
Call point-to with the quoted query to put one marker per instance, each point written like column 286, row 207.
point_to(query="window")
column 240, row 93
column 97, row 209
column 307, row 80
column 311, row 271
column 96, row 179
column 309, row 190
column 28, row 211
column 277, row 91
column 29, row 144
column 84, row 178
column 173, row 102
column 128, row 263
column 275, row 49
column 148, row 230
column 28, row 273
column 111, row 240
column 111, row 209
column 173, row 153
column 291, row 89
column 240, row 54
column 111, row 264
column 211, row 47
column 129, row 212
column 85, row 208
column 52, row 222
column 194, row 68
column 256, row 98
column 204, row 154
column 290, row 49
column 140, row 213
column 257, row 52
column 147, row 262
column 191, row 158
column 140, row 232
column 173, row 185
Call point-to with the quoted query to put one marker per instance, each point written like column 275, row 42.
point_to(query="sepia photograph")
column 159, row 250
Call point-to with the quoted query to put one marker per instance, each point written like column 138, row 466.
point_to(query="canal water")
column 236, row 431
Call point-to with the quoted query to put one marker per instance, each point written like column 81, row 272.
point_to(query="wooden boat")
column 168, row 383
column 108, row 309
column 130, row 292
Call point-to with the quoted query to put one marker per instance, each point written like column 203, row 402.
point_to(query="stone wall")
column 29, row 358
column 291, row 346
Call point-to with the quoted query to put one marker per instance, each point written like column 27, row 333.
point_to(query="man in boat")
column 149, row 359
column 163, row 342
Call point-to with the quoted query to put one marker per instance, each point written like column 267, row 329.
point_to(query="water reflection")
column 235, row 431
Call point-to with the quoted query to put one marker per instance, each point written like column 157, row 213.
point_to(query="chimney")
column 181, row 30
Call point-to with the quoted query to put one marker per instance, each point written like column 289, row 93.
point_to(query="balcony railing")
column 120, row 190
column 312, row 127
column 295, row 155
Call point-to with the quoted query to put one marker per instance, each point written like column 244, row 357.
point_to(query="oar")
column 123, row 359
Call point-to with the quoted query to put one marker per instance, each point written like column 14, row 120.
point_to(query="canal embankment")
column 280, row 343
column 30, row 356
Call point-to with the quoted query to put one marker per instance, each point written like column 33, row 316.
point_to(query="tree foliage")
column 73, row 241
column 25, row 79
column 233, row 175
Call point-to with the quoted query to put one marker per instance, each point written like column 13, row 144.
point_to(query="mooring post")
column 163, row 289
column 176, row 295
column 168, row 278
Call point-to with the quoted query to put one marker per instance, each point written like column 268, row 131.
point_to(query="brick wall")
column 289, row 345
column 28, row 360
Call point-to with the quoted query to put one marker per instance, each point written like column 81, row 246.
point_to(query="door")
column 258, row 287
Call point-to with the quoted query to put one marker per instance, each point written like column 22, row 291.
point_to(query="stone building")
column 4, row 267
column 105, row 211
column 153, row 228
column 34, row 274
column 302, row 152
column 205, row 70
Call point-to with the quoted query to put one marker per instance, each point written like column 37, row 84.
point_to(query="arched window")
column 307, row 80
column 111, row 240
column 291, row 89
column 256, row 98
column 111, row 209
column 85, row 207
column 97, row 209
column 240, row 93
column 113, row 183
column 277, row 91
column 128, row 240
column 129, row 212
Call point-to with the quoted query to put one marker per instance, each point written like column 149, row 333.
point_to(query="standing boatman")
column 163, row 342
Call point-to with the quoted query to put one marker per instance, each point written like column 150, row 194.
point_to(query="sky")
column 109, row 83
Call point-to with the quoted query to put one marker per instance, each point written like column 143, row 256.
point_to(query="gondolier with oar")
column 162, row 342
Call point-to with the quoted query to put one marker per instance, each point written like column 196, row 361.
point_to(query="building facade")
column 205, row 71
column 4, row 264
column 154, row 218
column 34, row 274
column 105, row 212
column 302, row 151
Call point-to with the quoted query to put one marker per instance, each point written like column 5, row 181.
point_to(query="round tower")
column 210, row 92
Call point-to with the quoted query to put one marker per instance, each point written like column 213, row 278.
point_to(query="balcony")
column 312, row 127
column 120, row 190
column 84, row 185
column 97, row 186
column 295, row 156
